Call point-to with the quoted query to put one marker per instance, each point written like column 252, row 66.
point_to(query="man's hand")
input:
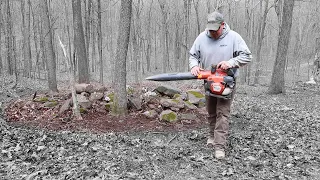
column 224, row 65
column 196, row 70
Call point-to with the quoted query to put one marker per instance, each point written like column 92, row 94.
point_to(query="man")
column 221, row 46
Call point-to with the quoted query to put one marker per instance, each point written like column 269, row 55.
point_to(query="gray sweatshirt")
column 230, row 47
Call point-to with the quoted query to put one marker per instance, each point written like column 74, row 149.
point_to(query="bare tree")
column 277, row 84
column 25, row 12
column 136, row 39
column 100, row 41
column 187, row 10
column 48, row 53
column 148, row 53
column 196, row 9
column 79, row 43
column 120, row 93
column 261, row 34
column 88, row 5
column 164, row 34
column 9, row 39
column 1, row 30
column 70, row 67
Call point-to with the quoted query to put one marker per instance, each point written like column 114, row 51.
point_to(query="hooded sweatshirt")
column 230, row 47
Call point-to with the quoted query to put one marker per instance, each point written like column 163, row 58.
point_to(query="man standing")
column 221, row 46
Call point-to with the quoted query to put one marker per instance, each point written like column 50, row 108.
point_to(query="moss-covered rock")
column 168, row 116
column 195, row 96
column 130, row 90
column 176, row 96
column 111, row 97
column 108, row 107
column 201, row 104
column 189, row 105
column 83, row 110
column 50, row 104
column 41, row 99
column 175, row 103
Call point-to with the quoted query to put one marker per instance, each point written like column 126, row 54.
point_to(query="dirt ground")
column 271, row 137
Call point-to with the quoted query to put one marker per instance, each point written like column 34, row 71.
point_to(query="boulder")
column 97, row 87
column 83, row 88
column 189, row 105
column 50, row 104
column 195, row 96
column 66, row 105
column 169, row 116
column 188, row 116
column 152, row 114
column 135, row 103
column 172, row 103
column 95, row 96
column 169, row 91
column 84, row 101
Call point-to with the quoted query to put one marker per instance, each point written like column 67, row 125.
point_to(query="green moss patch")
column 196, row 94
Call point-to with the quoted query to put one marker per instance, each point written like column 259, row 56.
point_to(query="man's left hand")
column 224, row 65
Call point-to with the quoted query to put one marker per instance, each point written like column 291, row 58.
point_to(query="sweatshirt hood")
column 225, row 31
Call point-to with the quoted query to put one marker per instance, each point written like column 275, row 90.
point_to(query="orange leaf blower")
column 218, row 82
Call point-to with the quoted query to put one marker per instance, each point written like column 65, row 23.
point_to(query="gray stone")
column 152, row 114
column 66, row 105
column 50, row 104
column 189, row 105
column 188, row 116
column 135, row 102
column 169, row 91
column 95, row 96
column 83, row 88
column 172, row 103
column 84, row 101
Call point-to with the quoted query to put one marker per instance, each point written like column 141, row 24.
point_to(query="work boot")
column 219, row 154
column 210, row 141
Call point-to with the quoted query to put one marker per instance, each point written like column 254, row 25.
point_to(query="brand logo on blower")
column 217, row 88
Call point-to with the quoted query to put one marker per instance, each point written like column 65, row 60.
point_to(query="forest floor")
column 271, row 137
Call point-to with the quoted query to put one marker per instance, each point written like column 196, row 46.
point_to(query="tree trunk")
column 93, row 55
column 208, row 7
column 16, row 73
column 76, row 110
column 136, row 45
column 48, row 46
column 1, row 30
column 297, row 53
column 196, row 9
column 244, row 72
column 9, row 39
column 177, row 50
column 25, row 12
column 315, row 70
column 79, row 43
column 87, row 26
column 120, row 93
column 164, row 39
column 277, row 81
column 261, row 30
column 184, row 64
column 148, row 56
column 100, row 41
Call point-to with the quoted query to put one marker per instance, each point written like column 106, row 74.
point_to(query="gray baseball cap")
column 214, row 21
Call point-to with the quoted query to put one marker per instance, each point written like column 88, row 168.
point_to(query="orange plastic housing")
column 216, row 80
